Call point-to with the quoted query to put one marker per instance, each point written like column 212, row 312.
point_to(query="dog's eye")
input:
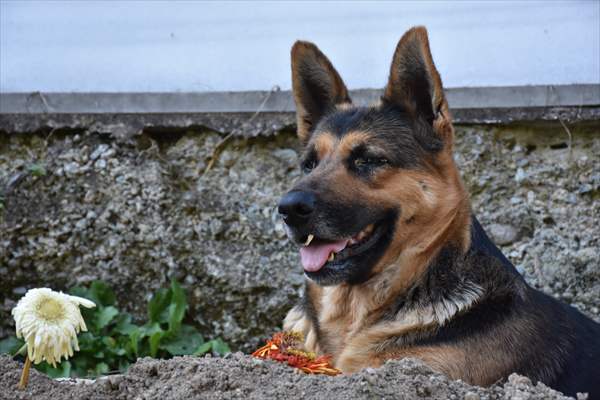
column 308, row 165
column 362, row 163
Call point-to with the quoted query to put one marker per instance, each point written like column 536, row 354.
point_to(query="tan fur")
column 324, row 144
column 296, row 321
column 349, row 141
column 448, row 360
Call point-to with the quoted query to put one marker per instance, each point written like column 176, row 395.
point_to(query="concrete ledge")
column 262, row 112
column 281, row 101
column 126, row 125
column 252, row 124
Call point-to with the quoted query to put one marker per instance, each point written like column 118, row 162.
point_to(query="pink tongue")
column 315, row 256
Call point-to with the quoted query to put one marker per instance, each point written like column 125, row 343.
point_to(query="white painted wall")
column 215, row 46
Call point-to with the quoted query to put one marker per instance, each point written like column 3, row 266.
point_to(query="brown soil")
column 238, row 376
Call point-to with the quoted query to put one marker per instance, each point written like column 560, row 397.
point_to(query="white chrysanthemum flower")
column 49, row 322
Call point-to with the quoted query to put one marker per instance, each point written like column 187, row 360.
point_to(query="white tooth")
column 309, row 239
column 331, row 256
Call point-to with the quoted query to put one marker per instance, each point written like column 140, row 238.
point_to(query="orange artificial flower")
column 284, row 347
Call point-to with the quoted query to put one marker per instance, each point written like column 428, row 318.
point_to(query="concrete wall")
column 133, row 46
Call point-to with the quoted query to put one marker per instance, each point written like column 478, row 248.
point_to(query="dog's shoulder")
column 515, row 328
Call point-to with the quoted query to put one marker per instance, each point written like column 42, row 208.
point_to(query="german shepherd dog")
column 396, row 264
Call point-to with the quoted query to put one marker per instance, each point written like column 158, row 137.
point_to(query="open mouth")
column 316, row 252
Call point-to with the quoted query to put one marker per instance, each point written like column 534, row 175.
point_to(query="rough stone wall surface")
column 137, row 211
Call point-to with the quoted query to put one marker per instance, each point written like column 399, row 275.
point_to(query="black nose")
column 297, row 207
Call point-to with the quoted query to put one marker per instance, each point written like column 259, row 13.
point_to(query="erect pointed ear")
column 317, row 86
column 414, row 82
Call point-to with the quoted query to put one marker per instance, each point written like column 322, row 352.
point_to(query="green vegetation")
column 113, row 341
column 37, row 169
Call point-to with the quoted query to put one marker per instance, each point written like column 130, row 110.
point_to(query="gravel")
column 502, row 234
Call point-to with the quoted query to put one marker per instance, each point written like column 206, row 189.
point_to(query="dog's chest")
column 341, row 318
column 334, row 334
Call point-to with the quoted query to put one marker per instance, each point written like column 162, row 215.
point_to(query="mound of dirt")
column 239, row 376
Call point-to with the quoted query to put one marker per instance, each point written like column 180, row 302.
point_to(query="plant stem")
column 25, row 374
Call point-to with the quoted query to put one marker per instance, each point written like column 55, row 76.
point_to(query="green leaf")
column 113, row 347
column 101, row 369
column 123, row 365
column 154, row 332
column 62, row 370
column 123, row 324
column 105, row 315
column 10, row 345
column 88, row 342
column 177, row 307
column 216, row 345
column 187, row 340
column 81, row 369
column 81, row 292
column 220, row 347
column 203, row 348
column 102, row 293
column 37, row 169
column 134, row 339
column 157, row 307
column 155, row 342
column 109, row 341
column 119, row 351
column 149, row 329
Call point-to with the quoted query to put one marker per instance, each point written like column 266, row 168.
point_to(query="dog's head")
column 374, row 176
